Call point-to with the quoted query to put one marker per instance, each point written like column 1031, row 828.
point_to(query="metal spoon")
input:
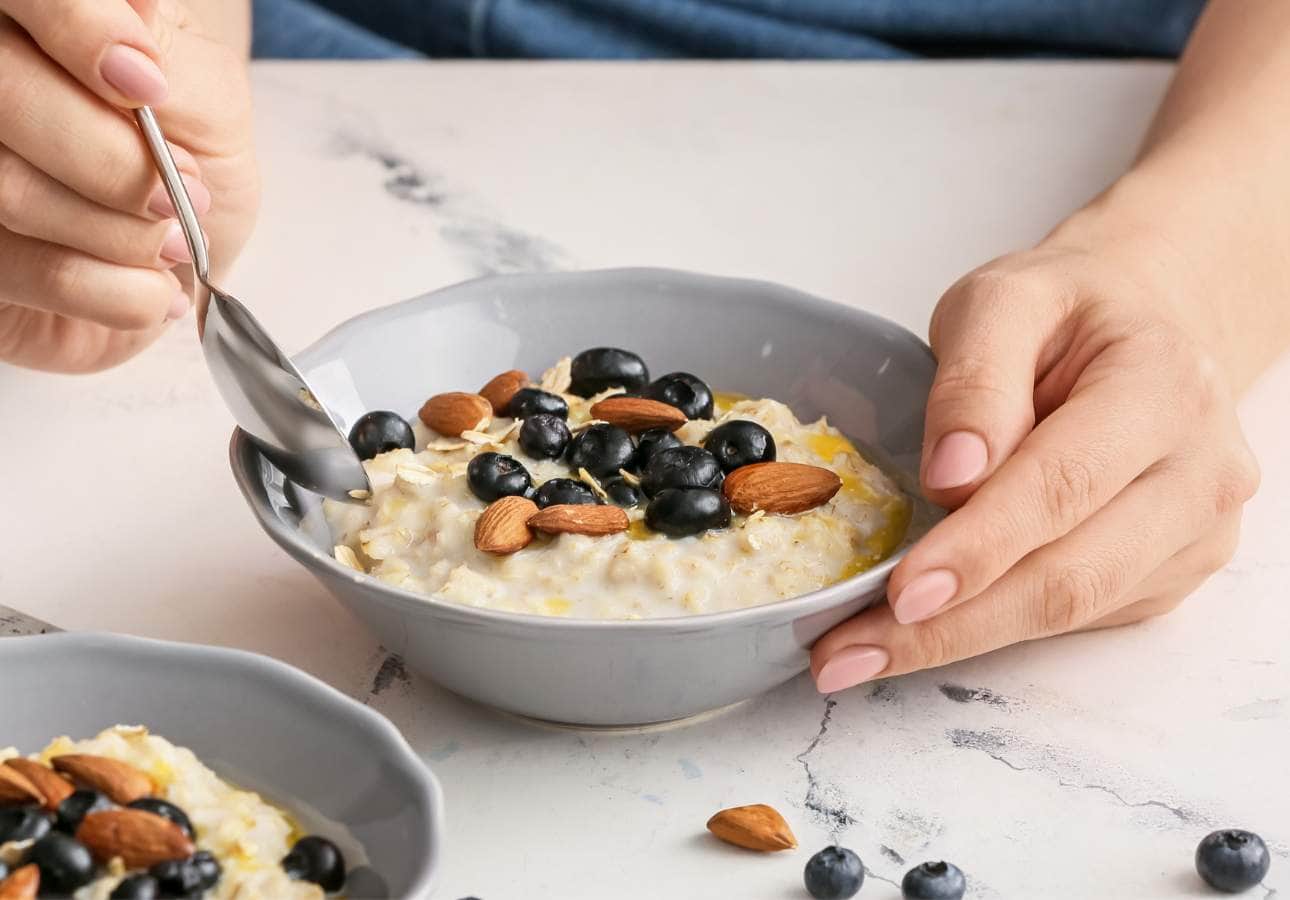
column 269, row 398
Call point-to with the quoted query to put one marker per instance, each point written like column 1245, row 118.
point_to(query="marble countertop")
column 1087, row 766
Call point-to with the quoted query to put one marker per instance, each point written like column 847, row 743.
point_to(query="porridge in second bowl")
column 598, row 493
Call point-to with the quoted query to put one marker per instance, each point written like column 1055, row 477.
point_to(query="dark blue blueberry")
column 23, row 823
column 1232, row 860
column 77, row 805
column 380, row 432
column 678, row 512
column 64, row 862
column 317, row 860
column 684, row 391
column 601, row 449
column 494, row 475
column 602, row 368
column 933, row 881
column 681, row 467
column 160, row 807
column 531, row 401
column 559, row 491
column 137, row 887
column 739, row 443
column 650, row 442
column 544, row 436
column 621, row 491
column 208, row 868
column 834, row 873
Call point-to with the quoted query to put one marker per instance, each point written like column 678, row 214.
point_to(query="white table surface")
column 1091, row 766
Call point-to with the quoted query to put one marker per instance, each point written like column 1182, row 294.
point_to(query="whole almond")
column 452, row 413
column 22, row 884
column 499, row 391
column 16, row 789
column 55, row 787
column 140, row 838
column 122, row 782
column 579, row 518
column 636, row 414
column 780, row 487
column 503, row 527
column 756, row 827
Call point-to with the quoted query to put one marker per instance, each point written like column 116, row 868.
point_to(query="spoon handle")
column 175, row 188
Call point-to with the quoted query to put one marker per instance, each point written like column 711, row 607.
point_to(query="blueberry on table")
column 679, row 512
column 531, row 401
column 318, row 860
column 23, row 823
column 160, row 807
column 650, row 442
column 933, row 881
column 544, row 436
column 739, row 443
column 1232, row 860
column 684, row 391
column 835, row 873
column 64, row 862
column 681, row 467
column 136, row 887
column 559, row 491
column 380, row 432
column 601, row 449
column 621, row 492
column 602, row 368
column 495, row 475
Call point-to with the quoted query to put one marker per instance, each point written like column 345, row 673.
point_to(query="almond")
column 756, row 827
column 502, row 388
column 637, row 414
column 503, row 527
column 579, row 518
column 780, row 487
column 16, row 789
column 55, row 787
column 452, row 413
column 122, row 782
column 142, row 839
column 22, row 884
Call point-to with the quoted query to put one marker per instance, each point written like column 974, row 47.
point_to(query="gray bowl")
column 341, row 768
column 869, row 375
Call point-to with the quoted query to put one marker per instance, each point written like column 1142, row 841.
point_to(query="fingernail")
column 134, row 75
column 160, row 204
column 923, row 596
column 959, row 458
column 851, row 666
column 178, row 306
column 175, row 246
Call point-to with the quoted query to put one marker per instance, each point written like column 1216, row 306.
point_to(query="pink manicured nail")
column 851, row 666
column 134, row 75
column 160, row 204
column 959, row 458
column 178, row 307
column 175, row 246
column 923, row 596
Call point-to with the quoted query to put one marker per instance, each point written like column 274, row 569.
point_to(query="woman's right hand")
column 89, row 246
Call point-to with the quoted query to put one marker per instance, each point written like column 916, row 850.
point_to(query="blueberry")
column 208, row 868
column 681, row 467
column 544, row 436
column 184, row 877
column 650, row 442
column 380, row 432
column 77, row 805
column 23, row 824
column 739, row 443
column 678, row 512
column 559, row 491
column 834, row 873
column 682, row 390
column 166, row 810
column 602, row 450
column 531, row 401
column 136, row 887
column 621, row 491
column 64, row 863
column 1232, row 860
column 602, row 368
column 494, row 475
column 933, row 881
column 317, row 860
